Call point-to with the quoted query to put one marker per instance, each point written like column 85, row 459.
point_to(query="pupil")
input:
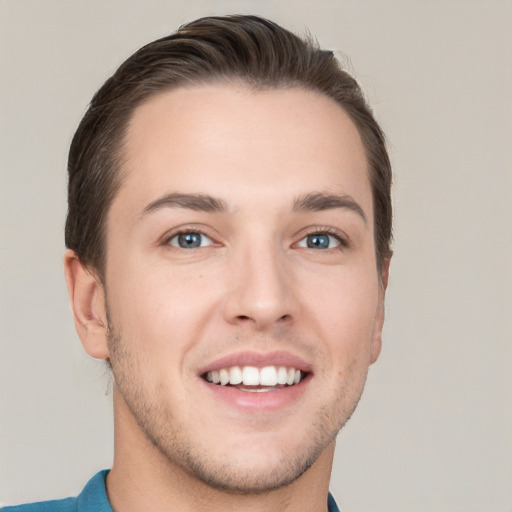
column 189, row 240
column 318, row 241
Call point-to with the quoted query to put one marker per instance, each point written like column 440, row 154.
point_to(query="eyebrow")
column 319, row 201
column 311, row 202
column 197, row 202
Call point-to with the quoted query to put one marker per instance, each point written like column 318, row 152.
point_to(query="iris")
column 190, row 240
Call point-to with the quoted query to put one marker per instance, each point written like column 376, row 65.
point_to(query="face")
column 243, row 298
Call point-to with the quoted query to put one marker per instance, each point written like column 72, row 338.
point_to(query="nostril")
column 245, row 318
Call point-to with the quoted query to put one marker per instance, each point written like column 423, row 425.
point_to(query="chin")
column 249, row 473
column 243, row 464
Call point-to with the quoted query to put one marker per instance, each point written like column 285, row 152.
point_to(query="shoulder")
column 92, row 499
column 65, row 505
column 331, row 504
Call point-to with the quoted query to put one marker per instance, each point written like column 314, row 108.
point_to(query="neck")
column 142, row 478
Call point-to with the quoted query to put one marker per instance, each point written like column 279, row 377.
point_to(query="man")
column 228, row 241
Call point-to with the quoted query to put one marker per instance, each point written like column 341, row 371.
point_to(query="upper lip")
column 249, row 358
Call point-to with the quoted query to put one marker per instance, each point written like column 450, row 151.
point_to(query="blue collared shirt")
column 93, row 499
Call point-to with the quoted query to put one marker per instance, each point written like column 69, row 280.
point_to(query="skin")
column 165, row 311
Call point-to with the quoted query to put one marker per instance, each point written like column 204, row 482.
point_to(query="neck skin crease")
column 141, row 478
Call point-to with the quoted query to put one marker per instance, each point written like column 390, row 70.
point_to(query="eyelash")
column 327, row 230
column 317, row 230
column 166, row 241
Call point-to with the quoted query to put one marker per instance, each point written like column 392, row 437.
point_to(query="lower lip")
column 258, row 401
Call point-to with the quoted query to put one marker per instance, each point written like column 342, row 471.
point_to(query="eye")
column 190, row 240
column 320, row 241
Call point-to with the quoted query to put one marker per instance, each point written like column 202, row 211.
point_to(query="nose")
column 261, row 290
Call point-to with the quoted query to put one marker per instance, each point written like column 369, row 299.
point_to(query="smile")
column 252, row 378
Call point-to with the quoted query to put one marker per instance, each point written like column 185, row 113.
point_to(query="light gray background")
column 434, row 429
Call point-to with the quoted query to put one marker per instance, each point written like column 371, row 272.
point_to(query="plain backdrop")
column 433, row 431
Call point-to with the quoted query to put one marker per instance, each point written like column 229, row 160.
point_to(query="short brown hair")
column 250, row 49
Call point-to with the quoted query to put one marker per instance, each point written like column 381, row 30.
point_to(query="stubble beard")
column 169, row 437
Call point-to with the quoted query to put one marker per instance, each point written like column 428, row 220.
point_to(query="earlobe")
column 87, row 298
column 379, row 318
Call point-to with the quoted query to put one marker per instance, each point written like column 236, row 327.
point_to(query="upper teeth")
column 253, row 376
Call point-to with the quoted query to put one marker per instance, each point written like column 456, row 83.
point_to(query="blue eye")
column 190, row 240
column 319, row 241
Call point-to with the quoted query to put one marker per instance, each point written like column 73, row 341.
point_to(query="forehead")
column 225, row 138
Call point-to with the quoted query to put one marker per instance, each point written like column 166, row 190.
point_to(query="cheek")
column 344, row 310
column 164, row 309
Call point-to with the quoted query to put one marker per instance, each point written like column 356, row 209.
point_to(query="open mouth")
column 254, row 379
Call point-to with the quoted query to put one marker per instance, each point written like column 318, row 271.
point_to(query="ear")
column 376, row 345
column 87, row 298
